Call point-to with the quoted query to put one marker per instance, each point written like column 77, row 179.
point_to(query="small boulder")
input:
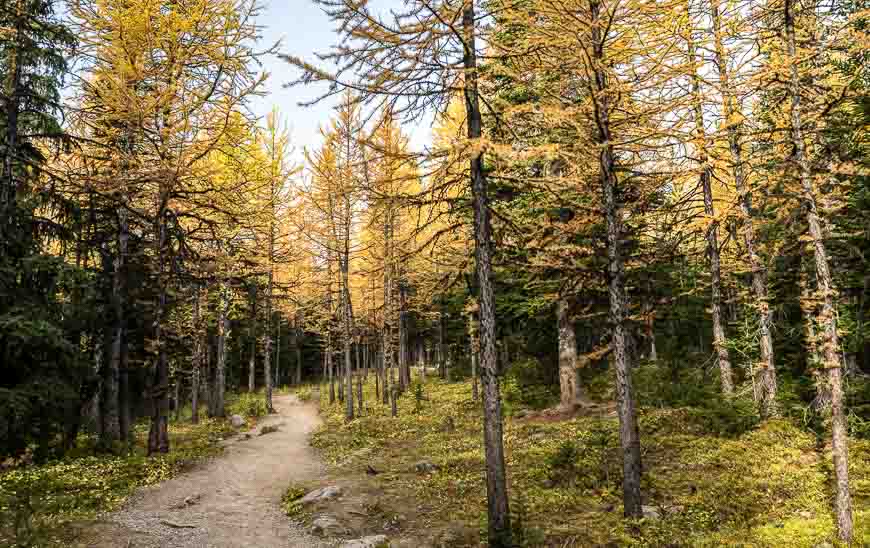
column 237, row 421
column 373, row 541
column 651, row 512
column 425, row 467
column 324, row 493
column 268, row 429
column 326, row 526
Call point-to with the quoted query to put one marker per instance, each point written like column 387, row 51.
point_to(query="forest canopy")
column 638, row 203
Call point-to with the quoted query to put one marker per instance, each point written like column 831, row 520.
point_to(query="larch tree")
column 181, row 116
column 412, row 62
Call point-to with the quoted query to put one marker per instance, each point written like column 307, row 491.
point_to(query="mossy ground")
column 45, row 504
column 769, row 486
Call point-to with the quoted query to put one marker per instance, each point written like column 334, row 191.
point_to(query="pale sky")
column 303, row 30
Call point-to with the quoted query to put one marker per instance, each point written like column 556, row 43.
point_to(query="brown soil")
column 231, row 501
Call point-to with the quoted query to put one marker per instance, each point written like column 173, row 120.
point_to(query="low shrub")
column 248, row 404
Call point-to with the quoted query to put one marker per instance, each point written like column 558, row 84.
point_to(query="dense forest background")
column 657, row 203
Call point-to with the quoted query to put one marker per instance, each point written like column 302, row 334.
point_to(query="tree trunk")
column 221, row 359
column 348, row 335
column 359, row 393
column 569, row 389
column 267, row 346
column 278, row 352
column 196, row 366
column 628, row 429
column 496, row 480
column 442, row 362
column 474, row 340
column 726, row 375
column 329, row 369
column 177, row 397
column 8, row 185
column 297, row 347
column 158, row 435
column 252, row 335
column 825, row 289
column 766, row 376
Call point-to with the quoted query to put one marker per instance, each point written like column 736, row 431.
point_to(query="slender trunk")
column 377, row 379
column 221, row 358
column 366, row 357
column 496, row 480
column 815, row 365
column 252, row 336
column 158, row 435
column 726, row 375
column 125, row 420
column 825, row 289
column 278, row 352
column 569, row 389
column 110, row 432
column 267, row 345
column 442, row 362
column 196, row 366
column 628, row 429
column 348, row 336
column 329, row 369
column 8, row 185
column 297, row 347
column 387, row 365
column 651, row 334
column 766, row 375
column 473, row 338
column 359, row 393
column 404, row 365
column 177, row 397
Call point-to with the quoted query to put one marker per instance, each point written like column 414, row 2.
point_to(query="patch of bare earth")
column 378, row 498
column 233, row 500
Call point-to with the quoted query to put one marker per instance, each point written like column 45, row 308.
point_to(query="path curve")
column 239, row 493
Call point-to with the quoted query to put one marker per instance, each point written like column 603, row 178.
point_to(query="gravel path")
column 237, row 495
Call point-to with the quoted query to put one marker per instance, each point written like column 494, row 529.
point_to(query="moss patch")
column 766, row 487
column 39, row 504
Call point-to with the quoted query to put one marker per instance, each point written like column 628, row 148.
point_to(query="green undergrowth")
column 767, row 485
column 290, row 500
column 247, row 404
column 40, row 504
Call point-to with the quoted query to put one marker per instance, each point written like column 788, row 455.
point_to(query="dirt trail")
column 239, row 493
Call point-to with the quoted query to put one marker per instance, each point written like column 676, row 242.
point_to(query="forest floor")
column 232, row 500
column 707, row 482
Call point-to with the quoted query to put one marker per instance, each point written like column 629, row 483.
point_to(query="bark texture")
column 629, row 435
column 569, row 386
column 765, row 376
column 496, row 480
column 825, row 288
column 726, row 375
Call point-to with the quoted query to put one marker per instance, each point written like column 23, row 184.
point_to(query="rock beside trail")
column 651, row 512
column 425, row 467
column 324, row 493
column 237, row 421
column 326, row 526
column 374, row 541
column 268, row 429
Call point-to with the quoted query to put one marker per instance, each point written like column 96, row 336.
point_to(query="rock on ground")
column 424, row 467
column 237, row 421
column 326, row 526
column 374, row 541
column 322, row 494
